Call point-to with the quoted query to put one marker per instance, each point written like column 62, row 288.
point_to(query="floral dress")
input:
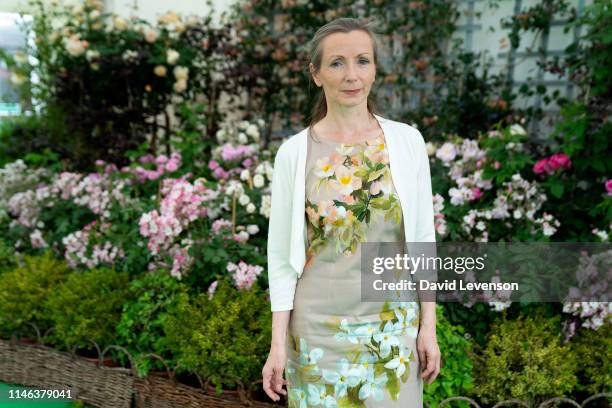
column 342, row 352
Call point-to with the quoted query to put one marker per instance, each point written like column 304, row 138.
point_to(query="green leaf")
column 557, row 190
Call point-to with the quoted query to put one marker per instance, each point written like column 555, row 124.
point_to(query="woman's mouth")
column 352, row 93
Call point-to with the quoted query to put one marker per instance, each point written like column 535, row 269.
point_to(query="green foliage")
column 524, row 359
column 455, row 376
column 224, row 338
column 40, row 140
column 592, row 350
column 8, row 256
column 141, row 329
column 24, row 289
column 88, row 306
column 475, row 320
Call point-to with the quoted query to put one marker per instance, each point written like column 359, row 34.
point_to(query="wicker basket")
column 159, row 392
column 41, row 366
column 36, row 365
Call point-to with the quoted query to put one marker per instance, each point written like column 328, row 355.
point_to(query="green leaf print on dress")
column 360, row 177
column 376, row 363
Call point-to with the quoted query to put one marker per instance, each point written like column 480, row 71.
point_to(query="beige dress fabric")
column 343, row 352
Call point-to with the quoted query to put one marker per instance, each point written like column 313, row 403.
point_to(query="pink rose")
column 543, row 166
column 560, row 160
column 171, row 166
column 213, row 164
column 477, row 193
column 609, row 186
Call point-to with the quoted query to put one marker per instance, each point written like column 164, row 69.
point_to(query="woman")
column 350, row 177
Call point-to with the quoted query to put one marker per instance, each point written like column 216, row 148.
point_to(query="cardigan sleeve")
column 282, row 278
column 426, row 231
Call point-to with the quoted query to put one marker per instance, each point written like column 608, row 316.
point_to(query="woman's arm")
column 427, row 343
column 272, row 372
column 282, row 278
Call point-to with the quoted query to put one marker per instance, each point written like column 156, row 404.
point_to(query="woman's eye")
column 362, row 61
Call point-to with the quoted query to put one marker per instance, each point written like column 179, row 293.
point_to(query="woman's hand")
column 272, row 372
column 429, row 353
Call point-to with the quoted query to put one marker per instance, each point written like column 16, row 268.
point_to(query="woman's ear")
column 314, row 76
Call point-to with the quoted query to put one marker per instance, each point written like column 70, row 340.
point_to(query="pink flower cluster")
column 163, row 165
column 181, row 261
column 609, row 186
column 439, row 218
column 244, row 275
column 587, row 303
column 221, row 174
column 230, row 152
column 95, row 191
column 77, row 247
column 183, row 203
column 550, row 164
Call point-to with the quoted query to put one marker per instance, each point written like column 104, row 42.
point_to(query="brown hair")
column 315, row 52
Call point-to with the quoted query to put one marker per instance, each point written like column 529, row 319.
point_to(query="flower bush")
column 488, row 201
column 87, row 306
column 455, row 376
column 213, row 340
column 525, row 359
column 141, row 328
column 24, row 291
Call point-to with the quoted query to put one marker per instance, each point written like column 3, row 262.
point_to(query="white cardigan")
column 287, row 237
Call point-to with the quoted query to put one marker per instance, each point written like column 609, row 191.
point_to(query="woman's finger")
column 278, row 380
column 267, row 377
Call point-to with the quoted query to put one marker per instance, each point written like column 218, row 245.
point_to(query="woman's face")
column 347, row 64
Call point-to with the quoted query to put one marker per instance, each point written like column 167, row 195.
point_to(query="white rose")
column 242, row 138
column 91, row 55
column 120, row 23
column 250, row 208
column 74, row 46
column 180, row 86
column 431, row 149
column 160, row 71
column 244, row 199
column 517, row 129
column 245, row 174
column 181, row 73
column 252, row 229
column 150, row 35
column 446, row 152
column 258, row 181
column 172, row 56
column 94, row 14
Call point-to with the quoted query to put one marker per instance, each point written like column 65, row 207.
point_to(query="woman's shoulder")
column 290, row 145
column 405, row 132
